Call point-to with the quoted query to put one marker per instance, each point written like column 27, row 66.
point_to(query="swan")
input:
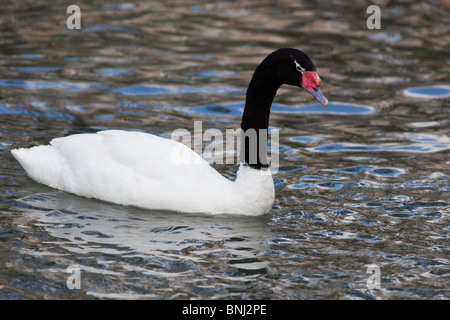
column 139, row 169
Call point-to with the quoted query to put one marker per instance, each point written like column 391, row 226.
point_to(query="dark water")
column 362, row 182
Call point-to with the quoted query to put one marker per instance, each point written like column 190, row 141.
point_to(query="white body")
column 144, row 170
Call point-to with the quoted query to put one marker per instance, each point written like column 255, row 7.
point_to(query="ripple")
column 330, row 185
column 133, row 90
column 332, row 108
column 30, row 56
column 314, row 182
column 309, row 139
column 386, row 172
column 213, row 73
column 345, row 235
column 423, row 137
column 35, row 69
column 17, row 109
column 108, row 28
column 417, row 208
column 319, row 178
column 356, row 147
column 236, row 109
column 428, row 92
column 354, row 169
column 389, row 37
column 114, row 72
column 427, row 124
column 126, row 6
column 419, row 184
column 4, row 109
column 9, row 232
column 291, row 168
column 38, row 85
column 145, row 89
column 230, row 109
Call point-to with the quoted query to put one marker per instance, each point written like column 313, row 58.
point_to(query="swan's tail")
column 42, row 164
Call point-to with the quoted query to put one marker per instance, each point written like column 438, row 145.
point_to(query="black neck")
column 255, row 120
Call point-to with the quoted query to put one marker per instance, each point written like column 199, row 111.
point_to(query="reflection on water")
column 236, row 109
column 339, row 147
column 132, row 232
column 362, row 181
column 429, row 92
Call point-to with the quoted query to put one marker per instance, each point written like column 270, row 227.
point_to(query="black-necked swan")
column 138, row 169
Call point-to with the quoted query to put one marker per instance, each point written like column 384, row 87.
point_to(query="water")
column 362, row 182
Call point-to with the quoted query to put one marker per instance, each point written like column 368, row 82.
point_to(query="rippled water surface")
column 362, row 182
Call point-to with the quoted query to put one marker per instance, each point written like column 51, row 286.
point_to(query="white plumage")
column 144, row 170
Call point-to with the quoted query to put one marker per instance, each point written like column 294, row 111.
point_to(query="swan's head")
column 296, row 68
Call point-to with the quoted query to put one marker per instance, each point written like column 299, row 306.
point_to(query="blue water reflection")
column 38, row 85
column 428, row 92
column 133, row 90
column 114, row 72
column 354, row 170
column 236, row 109
column 35, row 69
column 386, row 172
column 354, row 147
column 20, row 109
column 332, row 108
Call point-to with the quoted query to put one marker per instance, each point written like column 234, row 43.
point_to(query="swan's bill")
column 311, row 83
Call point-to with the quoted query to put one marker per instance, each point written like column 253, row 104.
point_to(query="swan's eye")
column 298, row 67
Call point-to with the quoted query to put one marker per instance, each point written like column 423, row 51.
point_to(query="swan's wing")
column 152, row 156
